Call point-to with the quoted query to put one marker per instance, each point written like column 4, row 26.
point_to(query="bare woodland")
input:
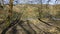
column 29, row 18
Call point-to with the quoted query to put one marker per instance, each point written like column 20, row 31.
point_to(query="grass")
column 31, row 11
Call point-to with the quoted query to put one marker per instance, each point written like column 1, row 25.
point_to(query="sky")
column 31, row 1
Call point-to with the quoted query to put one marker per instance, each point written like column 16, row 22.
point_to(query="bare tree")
column 9, row 16
column 10, row 7
column 40, row 8
column 1, row 3
column 13, row 22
